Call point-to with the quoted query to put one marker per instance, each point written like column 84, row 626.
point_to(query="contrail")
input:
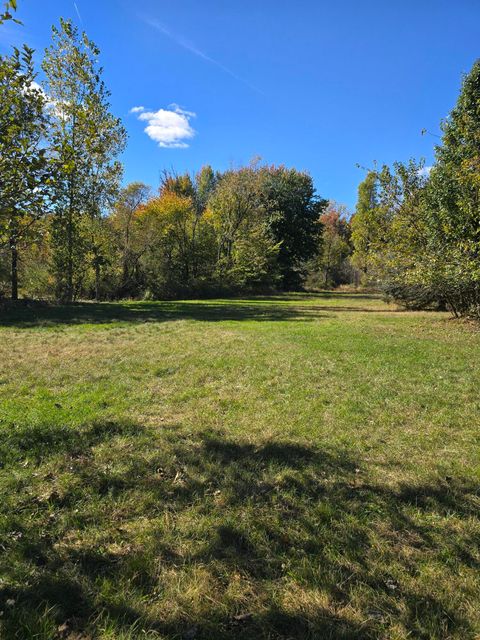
column 189, row 46
column 78, row 12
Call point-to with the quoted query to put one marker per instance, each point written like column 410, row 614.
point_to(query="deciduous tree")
column 26, row 177
column 85, row 140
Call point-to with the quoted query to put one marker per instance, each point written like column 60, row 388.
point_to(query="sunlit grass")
column 300, row 466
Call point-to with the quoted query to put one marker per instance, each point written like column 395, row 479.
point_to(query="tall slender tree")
column 364, row 222
column 129, row 201
column 24, row 168
column 332, row 261
column 85, row 140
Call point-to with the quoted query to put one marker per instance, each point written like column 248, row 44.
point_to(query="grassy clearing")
column 293, row 467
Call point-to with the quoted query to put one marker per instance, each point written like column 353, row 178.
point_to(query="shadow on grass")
column 271, row 308
column 97, row 534
column 24, row 316
column 324, row 294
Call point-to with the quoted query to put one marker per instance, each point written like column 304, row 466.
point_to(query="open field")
column 291, row 467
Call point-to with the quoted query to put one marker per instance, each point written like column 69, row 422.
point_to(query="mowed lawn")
column 292, row 467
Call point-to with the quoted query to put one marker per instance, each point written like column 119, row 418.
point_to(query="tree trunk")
column 14, row 267
column 125, row 275
column 68, row 296
column 97, row 279
column 69, row 288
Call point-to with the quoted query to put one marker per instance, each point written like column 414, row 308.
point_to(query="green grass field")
column 292, row 467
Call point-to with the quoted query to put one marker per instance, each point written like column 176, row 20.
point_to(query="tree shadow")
column 275, row 514
column 50, row 315
column 258, row 308
column 322, row 294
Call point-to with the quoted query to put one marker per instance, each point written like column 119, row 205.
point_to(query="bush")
column 414, row 296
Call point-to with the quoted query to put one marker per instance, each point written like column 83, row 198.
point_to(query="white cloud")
column 36, row 87
column 425, row 171
column 56, row 107
column 169, row 127
column 52, row 105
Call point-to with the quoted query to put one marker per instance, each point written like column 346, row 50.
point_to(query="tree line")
column 69, row 231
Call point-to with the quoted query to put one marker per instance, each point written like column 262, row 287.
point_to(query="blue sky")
column 319, row 85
